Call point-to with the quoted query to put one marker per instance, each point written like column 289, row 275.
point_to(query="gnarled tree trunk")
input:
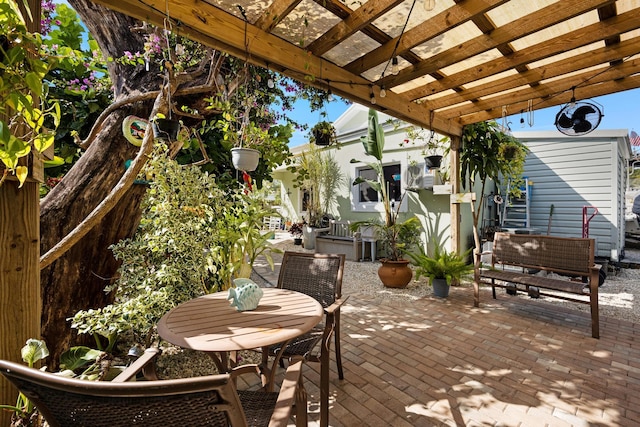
column 77, row 280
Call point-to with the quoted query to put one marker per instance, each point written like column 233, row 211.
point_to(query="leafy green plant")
column 194, row 238
column 23, row 67
column 320, row 175
column 442, row 265
column 33, row 351
column 396, row 236
column 323, row 133
column 488, row 153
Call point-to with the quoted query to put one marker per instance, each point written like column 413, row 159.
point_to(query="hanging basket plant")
column 433, row 161
column 245, row 159
column 323, row 134
column 164, row 128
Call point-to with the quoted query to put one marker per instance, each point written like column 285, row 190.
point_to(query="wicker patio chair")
column 202, row 401
column 320, row 276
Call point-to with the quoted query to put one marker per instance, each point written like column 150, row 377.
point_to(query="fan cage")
column 589, row 115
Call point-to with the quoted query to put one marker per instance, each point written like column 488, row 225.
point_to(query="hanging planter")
column 165, row 129
column 323, row 134
column 245, row 159
column 433, row 161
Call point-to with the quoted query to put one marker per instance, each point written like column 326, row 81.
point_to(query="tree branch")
column 100, row 211
column 84, row 144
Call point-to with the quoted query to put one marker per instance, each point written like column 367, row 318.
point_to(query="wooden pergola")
column 461, row 62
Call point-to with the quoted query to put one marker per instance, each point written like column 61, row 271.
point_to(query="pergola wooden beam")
column 541, row 19
column 534, row 76
column 579, row 38
column 266, row 49
column 428, row 30
column 541, row 92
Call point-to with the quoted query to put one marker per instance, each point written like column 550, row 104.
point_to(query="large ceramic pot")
column 440, row 288
column 245, row 159
column 395, row 274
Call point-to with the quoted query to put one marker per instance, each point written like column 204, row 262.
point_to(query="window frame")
column 369, row 206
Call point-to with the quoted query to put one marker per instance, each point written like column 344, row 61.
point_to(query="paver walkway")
column 441, row 362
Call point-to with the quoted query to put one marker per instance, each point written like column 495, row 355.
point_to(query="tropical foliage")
column 194, row 238
column 442, row 265
column 396, row 236
column 489, row 153
column 319, row 174
column 24, row 65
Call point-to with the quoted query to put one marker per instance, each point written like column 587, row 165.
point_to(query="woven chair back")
column 68, row 402
column 317, row 275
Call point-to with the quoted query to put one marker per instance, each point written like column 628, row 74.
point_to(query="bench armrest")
column 317, row 231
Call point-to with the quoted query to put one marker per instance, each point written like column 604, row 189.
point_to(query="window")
column 392, row 177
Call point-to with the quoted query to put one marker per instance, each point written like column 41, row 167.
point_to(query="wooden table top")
column 210, row 324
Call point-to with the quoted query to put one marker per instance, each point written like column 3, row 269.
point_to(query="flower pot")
column 309, row 235
column 440, row 288
column 322, row 139
column 245, row 159
column 395, row 274
column 165, row 129
column 433, row 161
column 297, row 241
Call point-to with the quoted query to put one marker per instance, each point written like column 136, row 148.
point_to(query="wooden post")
column 20, row 295
column 20, row 299
column 454, row 162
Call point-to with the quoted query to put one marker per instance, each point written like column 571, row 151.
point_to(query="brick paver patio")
column 441, row 362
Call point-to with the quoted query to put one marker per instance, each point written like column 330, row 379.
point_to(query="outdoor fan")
column 578, row 118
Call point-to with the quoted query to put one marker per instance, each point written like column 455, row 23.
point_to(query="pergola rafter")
column 465, row 61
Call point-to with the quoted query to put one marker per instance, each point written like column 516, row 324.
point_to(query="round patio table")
column 210, row 324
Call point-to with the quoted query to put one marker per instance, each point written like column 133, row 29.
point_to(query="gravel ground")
column 619, row 298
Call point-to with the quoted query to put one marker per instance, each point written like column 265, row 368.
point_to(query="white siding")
column 572, row 173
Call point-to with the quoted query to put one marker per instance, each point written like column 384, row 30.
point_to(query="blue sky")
column 621, row 111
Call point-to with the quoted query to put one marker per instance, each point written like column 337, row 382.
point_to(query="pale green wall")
column 431, row 210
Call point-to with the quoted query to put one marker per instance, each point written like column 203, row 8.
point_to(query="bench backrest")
column 561, row 254
column 340, row 228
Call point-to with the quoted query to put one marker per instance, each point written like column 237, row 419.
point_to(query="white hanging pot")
column 245, row 159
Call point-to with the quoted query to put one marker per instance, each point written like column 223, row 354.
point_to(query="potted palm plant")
column 442, row 268
column 397, row 237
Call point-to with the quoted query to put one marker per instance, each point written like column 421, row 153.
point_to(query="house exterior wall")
column 433, row 211
column 574, row 172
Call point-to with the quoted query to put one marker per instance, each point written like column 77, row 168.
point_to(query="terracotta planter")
column 440, row 288
column 245, row 159
column 395, row 274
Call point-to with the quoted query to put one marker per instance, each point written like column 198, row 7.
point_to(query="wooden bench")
column 339, row 239
column 515, row 255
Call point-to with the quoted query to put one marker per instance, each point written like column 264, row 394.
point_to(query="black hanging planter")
column 323, row 134
column 165, row 129
column 321, row 138
column 433, row 161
